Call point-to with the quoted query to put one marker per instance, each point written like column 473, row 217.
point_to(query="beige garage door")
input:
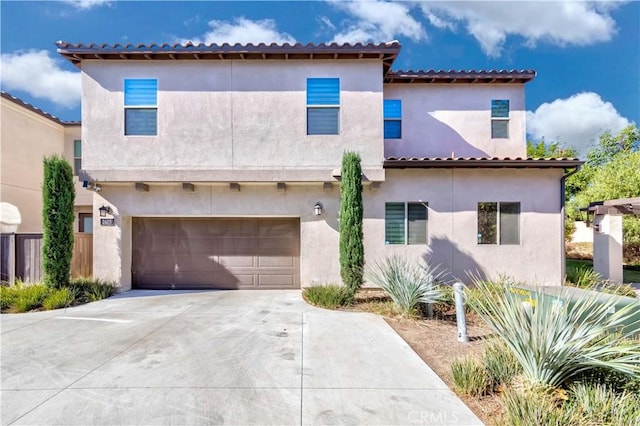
column 194, row 253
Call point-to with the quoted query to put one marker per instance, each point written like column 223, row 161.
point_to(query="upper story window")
column 500, row 119
column 499, row 223
column 77, row 156
column 392, row 118
column 141, row 107
column 323, row 106
column 405, row 219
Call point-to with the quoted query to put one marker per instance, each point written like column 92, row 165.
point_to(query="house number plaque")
column 108, row 222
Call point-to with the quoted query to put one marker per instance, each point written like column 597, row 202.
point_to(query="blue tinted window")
column 392, row 129
column 392, row 108
column 140, row 92
column 322, row 121
column 323, row 91
column 140, row 121
column 500, row 108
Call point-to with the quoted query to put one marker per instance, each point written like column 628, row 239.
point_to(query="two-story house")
column 219, row 166
column 30, row 134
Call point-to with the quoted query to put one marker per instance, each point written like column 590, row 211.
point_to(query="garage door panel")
column 275, row 261
column 236, row 261
column 215, row 253
column 278, row 281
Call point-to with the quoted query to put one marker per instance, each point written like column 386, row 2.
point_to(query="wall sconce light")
column 317, row 208
column 104, row 210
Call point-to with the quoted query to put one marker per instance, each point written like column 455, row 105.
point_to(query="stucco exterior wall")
column 27, row 138
column 454, row 120
column 452, row 196
column 246, row 117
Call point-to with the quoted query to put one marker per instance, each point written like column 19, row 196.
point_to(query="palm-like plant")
column 558, row 339
column 408, row 283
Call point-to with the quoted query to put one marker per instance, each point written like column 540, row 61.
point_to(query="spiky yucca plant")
column 557, row 340
column 407, row 282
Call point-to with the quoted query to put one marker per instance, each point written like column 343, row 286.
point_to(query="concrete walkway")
column 234, row 357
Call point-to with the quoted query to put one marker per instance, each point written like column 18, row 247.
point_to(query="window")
column 323, row 106
column 402, row 219
column 500, row 119
column 77, row 157
column 141, row 107
column 499, row 223
column 392, row 118
column 85, row 223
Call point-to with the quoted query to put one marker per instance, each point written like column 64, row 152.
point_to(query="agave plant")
column 557, row 340
column 408, row 283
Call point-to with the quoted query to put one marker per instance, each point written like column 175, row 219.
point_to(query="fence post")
column 12, row 259
column 460, row 316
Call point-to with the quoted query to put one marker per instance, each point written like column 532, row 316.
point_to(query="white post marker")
column 460, row 318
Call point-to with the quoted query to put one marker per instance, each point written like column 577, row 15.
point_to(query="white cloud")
column 378, row 21
column 576, row 121
column 561, row 22
column 243, row 31
column 87, row 4
column 38, row 74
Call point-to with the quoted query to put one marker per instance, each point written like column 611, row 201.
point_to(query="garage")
column 215, row 253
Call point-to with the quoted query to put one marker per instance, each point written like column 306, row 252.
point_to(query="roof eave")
column 451, row 163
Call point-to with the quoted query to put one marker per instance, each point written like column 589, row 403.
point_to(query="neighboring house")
column 28, row 136
column 219, row 166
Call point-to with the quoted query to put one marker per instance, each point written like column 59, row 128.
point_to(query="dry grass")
column 579, row 250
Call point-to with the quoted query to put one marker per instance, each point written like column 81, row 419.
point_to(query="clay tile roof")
column 481, row 162
column 460, row 76
column 38, row 111
column 76, row 53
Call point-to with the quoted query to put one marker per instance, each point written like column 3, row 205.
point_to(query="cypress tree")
column 351, row 214
column 58, row 195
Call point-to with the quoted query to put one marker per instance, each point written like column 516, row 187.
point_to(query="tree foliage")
column 351, row 216
column 58, row 195
column 553, row 150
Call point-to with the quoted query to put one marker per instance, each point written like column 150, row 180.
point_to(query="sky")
column 587, row 54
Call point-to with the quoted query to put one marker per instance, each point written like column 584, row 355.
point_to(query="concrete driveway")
column 226, row 357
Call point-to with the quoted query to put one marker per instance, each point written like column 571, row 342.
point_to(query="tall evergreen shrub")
column 58, row 195
column 351, row 213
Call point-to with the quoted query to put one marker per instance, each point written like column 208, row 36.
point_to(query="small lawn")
column 628, row 275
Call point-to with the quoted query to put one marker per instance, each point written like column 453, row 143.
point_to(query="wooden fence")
column 21, row 257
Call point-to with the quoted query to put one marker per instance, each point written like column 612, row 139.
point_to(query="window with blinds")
column 392, row 112
column 405, row 223
column 499, row 223
column 500, row 119
column 323, row 106
column 77, row 156
column 141, row 107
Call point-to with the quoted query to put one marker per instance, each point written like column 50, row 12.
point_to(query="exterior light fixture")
column 104, row 210
column 317, row 208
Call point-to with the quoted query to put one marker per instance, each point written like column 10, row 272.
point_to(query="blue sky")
column 587, row 54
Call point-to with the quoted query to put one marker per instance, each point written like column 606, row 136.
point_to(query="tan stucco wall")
column 244, row 117
column 452, row 197
column 27, row 138
column 441, row 120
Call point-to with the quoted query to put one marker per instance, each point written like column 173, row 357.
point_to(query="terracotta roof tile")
column 38, row 111
column 460, row 76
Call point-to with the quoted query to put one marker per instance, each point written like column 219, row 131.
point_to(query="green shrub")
column 29, row 297
column 58, row 194
column 555, row 341
column 328, row 296
column 501, row 365
column 8, row 296
column 469, row 377
column 596, row 404
column 582, row 276
column 86, row 289
column 60, row 298
column 618, row 289
column 535, row 407
column 351, row 216
column 408, row 283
